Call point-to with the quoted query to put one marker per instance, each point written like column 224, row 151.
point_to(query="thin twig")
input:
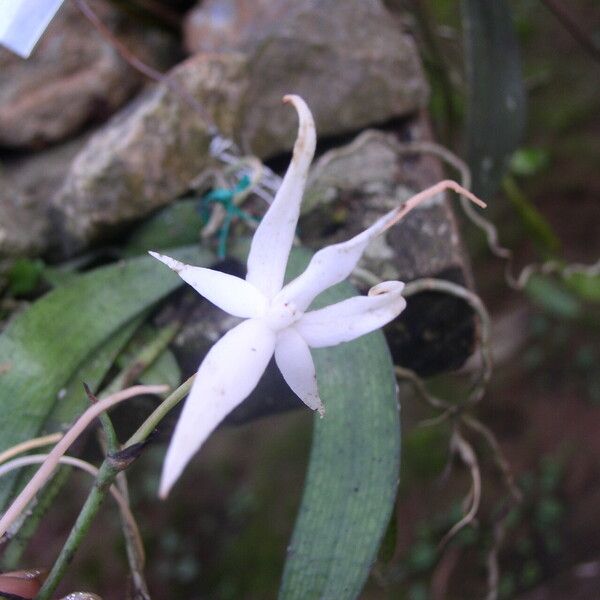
column 222, row 148
column 46, row 470
column 444, row 569
column 492, row 561
column 145, row 69
column 421, row 390
column 104, row 480
column 430, row 192
column 149, row 353
column 442, row 152
column 107, row 434
column 36, row 459
column 441, row 285
column 468, row 455
column 556, row 267
column 517, row 282
column 150, row 424
column 457, row 163
column 469, row 458
column 106, row 476
column 33, row 444
column 134, row 545
column 499, row 459
column 144, row 359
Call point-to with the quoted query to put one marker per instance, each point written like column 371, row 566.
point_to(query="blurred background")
column 511, row 87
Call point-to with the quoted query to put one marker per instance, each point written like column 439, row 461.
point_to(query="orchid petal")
column 349, row 319
column 227, row 375
column 231, row 294
column 330, row 266
column 293, row 358
column 273, row 239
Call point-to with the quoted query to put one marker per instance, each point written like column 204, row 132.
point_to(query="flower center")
column 280, row 315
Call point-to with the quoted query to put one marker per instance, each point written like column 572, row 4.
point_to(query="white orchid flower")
column 277, row 320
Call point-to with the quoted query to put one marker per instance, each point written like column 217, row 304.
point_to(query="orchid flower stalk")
column 276, row 317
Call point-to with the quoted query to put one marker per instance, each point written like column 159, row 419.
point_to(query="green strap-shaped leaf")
column 72, row 403
column 354, row 464
column 163, row 371
column 177, row 224
column 353, row 472
column 587, row 286
column 495, row 93
column 74, row 399
column 553, row 297
column 44, row 346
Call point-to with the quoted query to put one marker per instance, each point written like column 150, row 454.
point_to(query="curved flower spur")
column 277, row 320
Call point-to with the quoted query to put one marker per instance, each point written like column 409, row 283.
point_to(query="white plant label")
column 23, row 22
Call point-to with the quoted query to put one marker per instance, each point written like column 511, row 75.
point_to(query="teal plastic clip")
column 225, row 197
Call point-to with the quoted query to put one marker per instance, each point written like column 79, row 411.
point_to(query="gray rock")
column 350, row 61
column 28, row 184
column 217, row 25
column 23, row 230
column 148, row 154
column 73, row 77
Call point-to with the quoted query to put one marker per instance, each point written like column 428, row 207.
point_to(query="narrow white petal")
column 273, row 239
column 227, row 375
column 349, row 319
column 335, row 263
column 231, row 294
column 297, row 367
column 330, row 266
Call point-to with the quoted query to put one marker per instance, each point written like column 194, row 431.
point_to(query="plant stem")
column 134, row 545
column 45, row 471
column 133, row 542
column 149, row 425
column 108, row 436
column 106, row 475
column 11, row 559
column 144, row 359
